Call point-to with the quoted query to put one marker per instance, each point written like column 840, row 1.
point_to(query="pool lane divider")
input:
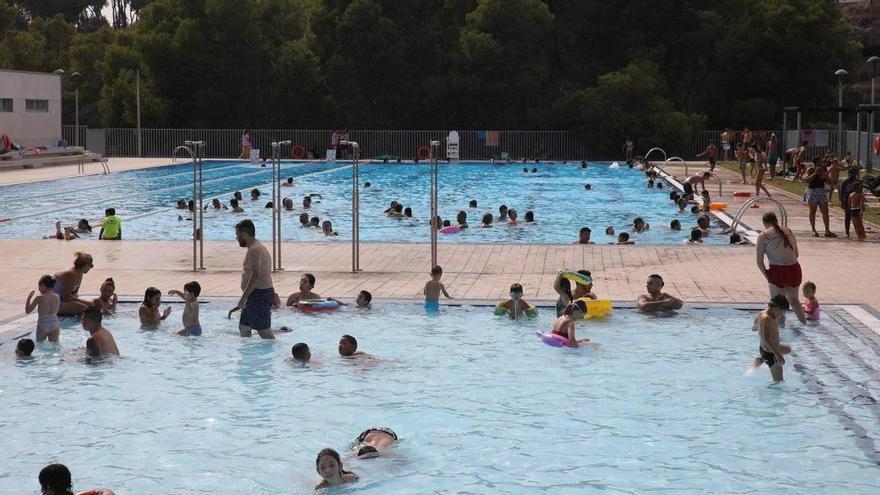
column 53, row 210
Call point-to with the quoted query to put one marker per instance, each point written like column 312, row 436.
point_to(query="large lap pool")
column 145, row 200
column 480, row 404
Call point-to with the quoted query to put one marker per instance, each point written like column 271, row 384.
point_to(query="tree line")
column 656, row 70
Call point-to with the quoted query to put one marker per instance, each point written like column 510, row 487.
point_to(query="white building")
column 30, row 107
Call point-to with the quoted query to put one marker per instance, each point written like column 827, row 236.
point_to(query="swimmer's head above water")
column 363, row 299
column 347, row 345
column 301, row 352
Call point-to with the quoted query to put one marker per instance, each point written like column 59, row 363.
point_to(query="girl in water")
column 562, row 286
column 564, row 325
column 107, row 301
column 329, row 467
column 149, row 310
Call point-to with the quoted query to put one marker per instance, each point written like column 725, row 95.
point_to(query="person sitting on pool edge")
column 373, row 442
column 771, row 350
column 111, row 228
column 306, row 284
column 91, row 322
column 328, row 464
column 55, row 479
column 623, row 239
column 301, row 352
column 655, row 300
column 584, row 236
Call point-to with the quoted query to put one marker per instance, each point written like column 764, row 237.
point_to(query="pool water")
column 480, row 404
column 145, row 200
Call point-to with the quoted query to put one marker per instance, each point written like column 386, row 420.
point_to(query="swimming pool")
column 480, row 404
column 555, row 193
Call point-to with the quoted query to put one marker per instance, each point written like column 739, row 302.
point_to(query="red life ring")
column 7, row 143
column 298, row 151
column 877, row 145
column 423, row 152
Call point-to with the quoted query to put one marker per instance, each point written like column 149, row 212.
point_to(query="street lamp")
column 873, row 61
column 840, row 73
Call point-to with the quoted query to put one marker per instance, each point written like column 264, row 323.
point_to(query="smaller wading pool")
column 480, row 404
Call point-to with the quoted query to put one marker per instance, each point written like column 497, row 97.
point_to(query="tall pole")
column 870, row 165
column 200, row 157
column 138, row 95
column 274, row 208
column 840, row 73
column 434, row 206
column 355, row 206
column 76, row 106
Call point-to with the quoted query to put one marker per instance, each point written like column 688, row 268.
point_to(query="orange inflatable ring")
column 423, row 152
column 740, row 194
column 877, row 145
column 298, row 151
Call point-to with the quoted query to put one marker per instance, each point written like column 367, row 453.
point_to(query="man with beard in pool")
column 655, row 300
column 257, row 293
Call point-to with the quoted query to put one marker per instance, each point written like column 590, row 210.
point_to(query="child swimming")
column 106, row 302
column 47, row 304
column 24, row 348
column 516, row 306
column 433, row 288
column 564, row 325
column 329, row 467
column 811, row 305
column 190, row 317
column 149, row 310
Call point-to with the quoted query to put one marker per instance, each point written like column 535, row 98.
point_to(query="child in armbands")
column 515, row 307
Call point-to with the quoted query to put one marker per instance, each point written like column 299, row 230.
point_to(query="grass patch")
column 872, row 213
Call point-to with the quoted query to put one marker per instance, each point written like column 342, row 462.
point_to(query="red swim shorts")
column 783, row 276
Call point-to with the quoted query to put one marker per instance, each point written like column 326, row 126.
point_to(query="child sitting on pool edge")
column 516, row 306
column 433, row 288
column 190, row 317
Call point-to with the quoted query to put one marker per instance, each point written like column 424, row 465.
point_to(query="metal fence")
column 226, row 143
column 69, row 134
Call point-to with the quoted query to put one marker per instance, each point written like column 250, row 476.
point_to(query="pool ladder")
column 749, row 202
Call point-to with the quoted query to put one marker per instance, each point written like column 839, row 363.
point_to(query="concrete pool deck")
column 844, row 271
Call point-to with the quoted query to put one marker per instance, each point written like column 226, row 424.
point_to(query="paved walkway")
column 19, row 175
column 845, row 271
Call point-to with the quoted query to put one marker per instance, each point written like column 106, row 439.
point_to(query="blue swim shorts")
column 257, row 312
column 194, row 330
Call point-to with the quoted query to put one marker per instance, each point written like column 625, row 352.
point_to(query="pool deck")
column 844, row 271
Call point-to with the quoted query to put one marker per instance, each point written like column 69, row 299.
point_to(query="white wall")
column 31, row 128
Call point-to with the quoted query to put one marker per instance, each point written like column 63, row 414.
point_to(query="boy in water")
column 301, row 352
column 623, row 238
column 770, row 348
column 111, row 228
column 47, row 304
column 24, row 348
column 516, row 306
column 363, row 299
column 190, row 294
column 433, row 288
column 91, row 322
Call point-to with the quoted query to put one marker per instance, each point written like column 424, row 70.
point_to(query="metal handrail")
column 682, row 160
column 276, row 204
column 651, row 151
column 355, row 205
column 749, row 202
column 193, row 157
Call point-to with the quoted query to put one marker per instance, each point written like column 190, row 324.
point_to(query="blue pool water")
column 481, row 406
column 145, row 200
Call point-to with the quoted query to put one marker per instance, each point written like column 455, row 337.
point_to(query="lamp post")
column 873, row 61
column 76, row 77
column 840, row 73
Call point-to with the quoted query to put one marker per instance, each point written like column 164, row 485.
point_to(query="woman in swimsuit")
column 67, row 285
column 784, row 274
column 816, row 195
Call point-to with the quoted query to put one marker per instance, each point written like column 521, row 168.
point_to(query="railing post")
column 355, row 206
column 276, row 204
column 434, row 207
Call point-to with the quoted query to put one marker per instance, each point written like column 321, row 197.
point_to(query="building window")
column 5, row 104
column 41, row 106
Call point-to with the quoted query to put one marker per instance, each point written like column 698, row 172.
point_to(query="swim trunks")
column 688, row 188
column 783, row 276
column 768, row 357
column 257, row 312
column 432, row 305
column 195, row 330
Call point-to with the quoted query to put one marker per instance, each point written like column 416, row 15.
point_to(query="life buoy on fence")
column 877, row 145
column 298, row 151
column 423, row 152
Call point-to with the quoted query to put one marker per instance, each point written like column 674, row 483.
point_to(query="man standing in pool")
column 655, row 300
column 257, row 293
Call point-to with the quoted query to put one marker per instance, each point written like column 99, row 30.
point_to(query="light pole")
column 76, row 77
column 840, row 73
column 873, row 61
